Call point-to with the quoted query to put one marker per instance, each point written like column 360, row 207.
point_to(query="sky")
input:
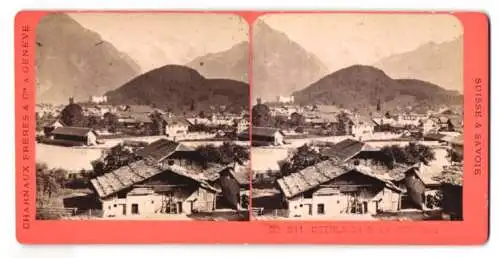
column 348, row 39
column 154, row 40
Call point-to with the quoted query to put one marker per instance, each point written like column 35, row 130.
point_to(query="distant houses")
column 176, row 126
column 264, row 136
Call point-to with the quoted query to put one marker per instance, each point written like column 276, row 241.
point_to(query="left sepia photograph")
column 138, row 117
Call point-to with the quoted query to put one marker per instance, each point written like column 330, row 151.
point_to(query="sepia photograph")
column 138, row 117
column 357, row 117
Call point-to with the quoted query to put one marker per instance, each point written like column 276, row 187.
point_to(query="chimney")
column 71, row 101
column 259, row 101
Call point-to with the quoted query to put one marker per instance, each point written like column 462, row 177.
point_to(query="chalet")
column 409, row 119
column 457, row 143
column 139, row 109
column 164, row 151
column 241, row 125
column 433, row 136
column 452, row 190
column 419, row 189
column 134, row 121
column 265, row 136
column 49, row 126
column 74, row 136
column 144, row 189
column 352, row 151
column 327, row 109
column 235, row 185
column 362, row 126
column 383, row 123
column 449, row 123
column 328, row 189
column 176, row 126
column 428, row 125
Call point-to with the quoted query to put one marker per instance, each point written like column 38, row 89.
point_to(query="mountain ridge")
column 181, row 89
column 361, row 87
column 73, row 61
column 275, row 58
column 229, row 64
column 438, row 63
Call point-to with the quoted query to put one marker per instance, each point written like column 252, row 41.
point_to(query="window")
column 135, row 208
column 114, row 205
column 308, row 195
column 321, row 208
column 152, row 202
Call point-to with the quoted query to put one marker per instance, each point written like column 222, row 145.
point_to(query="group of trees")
column 410, row 154
column 48, row 182
column 227, row 153
column 117, row 157
column 303, row 157
column 455, row 156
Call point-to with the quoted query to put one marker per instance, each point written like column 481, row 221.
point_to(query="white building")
column 329, row 190
column 283, row 99
column 98, row 99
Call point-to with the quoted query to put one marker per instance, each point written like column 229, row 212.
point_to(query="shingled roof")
column 309, row 178
column 323, row 172
column 265, row 131
column 123, row 178
column 75, row 131
column 137, row 172
column 346, row 149
column 161, row 149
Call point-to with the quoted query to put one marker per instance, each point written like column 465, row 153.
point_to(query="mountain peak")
column 281, row 66
column 438, row 63
column 229, row 64
column 73, row 61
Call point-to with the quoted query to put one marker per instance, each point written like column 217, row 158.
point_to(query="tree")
column 303, row 157
column 48, row 181
column 279, row 122
column 114, row 159
column 410, row 154
column 261, row 115
column 110, row 121
column 158, row 126
column 455, row 156
column 72, row 115
column 91, row 121
column 344, row 125
column 225, row 154
column 297, row 119
column 192, row 106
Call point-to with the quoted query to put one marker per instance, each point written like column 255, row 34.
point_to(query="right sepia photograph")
column 357, row 117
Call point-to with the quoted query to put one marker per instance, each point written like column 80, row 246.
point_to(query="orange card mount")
column 265, row 127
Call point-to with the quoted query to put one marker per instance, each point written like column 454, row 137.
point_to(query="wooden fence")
column 54, row 213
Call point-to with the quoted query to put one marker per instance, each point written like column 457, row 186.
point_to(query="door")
column 124, row 209
column 310, row 211
column 180, row 207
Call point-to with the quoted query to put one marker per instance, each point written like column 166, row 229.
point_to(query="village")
column 101, row 161
column 324, row 162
